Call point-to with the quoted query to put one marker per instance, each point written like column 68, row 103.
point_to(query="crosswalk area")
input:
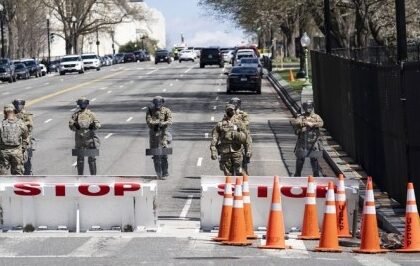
column 183, row 244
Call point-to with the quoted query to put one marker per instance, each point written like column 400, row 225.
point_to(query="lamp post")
column 2, row 31
column 305, row 41
column 97, row 41
column 49, row 41
column 73, row 20
column 113, row 45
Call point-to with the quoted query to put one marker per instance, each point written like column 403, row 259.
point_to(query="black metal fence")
column 372, row 109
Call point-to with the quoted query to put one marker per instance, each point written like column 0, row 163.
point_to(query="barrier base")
column 414, row 250
column 334, row 250
column 274, row 247
column 230, row 243
column 370, row 251
column 220, row 239
column 309, row 237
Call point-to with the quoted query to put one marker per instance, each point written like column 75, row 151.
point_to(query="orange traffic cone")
column 248, row 210
column 329, row 235
column 237, row 233
column 226, row 214
column 341, row 206
column 275, row 227
column 310, row 228
column 369, row 228
column 412, row 223
column 291, row 75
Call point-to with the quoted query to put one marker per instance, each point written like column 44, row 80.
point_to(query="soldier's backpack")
column 11, row 133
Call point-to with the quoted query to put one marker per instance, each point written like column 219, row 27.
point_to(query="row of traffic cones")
column 236, row 220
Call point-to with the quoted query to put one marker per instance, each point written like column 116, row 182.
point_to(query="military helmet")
column 9, row 108
column 82, row 102
column 158, row 102
column 229, row 107
column 308, row 106
column 236, row 102
column 19, row 104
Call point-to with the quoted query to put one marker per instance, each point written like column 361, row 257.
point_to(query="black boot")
column 80, row 165
column 299, row 166
column 165, row 166
column 28, row 167
column 315, row 167
column 92, row 165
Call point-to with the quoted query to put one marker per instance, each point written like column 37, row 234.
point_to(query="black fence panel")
column 363, row 107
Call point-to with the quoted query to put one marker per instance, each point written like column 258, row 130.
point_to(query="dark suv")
column 33, row 67
column 162, row 56
column 211, row 56
column 7, row 70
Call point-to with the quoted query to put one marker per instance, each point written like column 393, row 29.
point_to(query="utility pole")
column 401, row 30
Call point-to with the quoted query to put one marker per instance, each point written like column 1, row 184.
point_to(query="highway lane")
column 197, row 98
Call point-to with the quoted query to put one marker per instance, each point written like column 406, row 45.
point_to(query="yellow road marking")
column 57, row 93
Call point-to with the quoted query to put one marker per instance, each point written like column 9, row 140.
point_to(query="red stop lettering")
column 120, row 188
column 27, row 189
column 103, row 190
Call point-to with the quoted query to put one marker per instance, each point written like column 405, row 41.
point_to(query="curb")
column 390, row 213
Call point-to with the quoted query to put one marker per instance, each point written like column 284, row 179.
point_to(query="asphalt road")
column 119, row 95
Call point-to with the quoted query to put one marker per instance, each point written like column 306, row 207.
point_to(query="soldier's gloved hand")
column 214, row 156
column 77, row 126
column 248, row 154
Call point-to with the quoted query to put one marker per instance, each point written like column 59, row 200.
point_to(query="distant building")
column 130, row 29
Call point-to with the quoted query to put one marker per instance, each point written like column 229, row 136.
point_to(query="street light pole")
column 73, row 19
column 97, row 41
column 305, row 41
column 49, row 42
column 2, row 31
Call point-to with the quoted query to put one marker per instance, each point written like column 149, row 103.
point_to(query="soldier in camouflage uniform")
column 243, row 116
column 229, row 138
column 26, row 117
column 159, row 119
column 84, row 123
column 307, row 127
column 13, row 142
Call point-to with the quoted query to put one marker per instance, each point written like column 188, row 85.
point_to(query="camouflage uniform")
column 243, row 116
column 13, row 141
column 27, row 155
column 229, row 138
column 307, row 128
column 159, row 121
column 84, row 123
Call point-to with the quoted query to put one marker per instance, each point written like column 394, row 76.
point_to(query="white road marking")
column 94, row 99
column 46, row 83
column 199, row 161
column 214, row 107
column 217, row 98
column 212, row 118
column 206, row 135
column 176, row 79
column 181, row 75
column 170, row 85
column 148, row 73
column 109, row 92
column 109, row 135
column 74, row 164
column 144, row 108
column 129, row 119
column 370, row 260
column 103, row 88
column 121, row 86
column 188, row 70
column 140, row 68
column 47, row 121
column 61, row 80
column 186, row 208
column 5, row 93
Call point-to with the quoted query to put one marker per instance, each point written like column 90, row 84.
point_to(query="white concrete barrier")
column 293, row 191
column 77, row 203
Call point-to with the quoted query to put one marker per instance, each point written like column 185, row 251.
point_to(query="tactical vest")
column 11, row 133
column 84, row 119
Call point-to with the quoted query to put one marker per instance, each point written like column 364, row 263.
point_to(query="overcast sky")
column 198, row 27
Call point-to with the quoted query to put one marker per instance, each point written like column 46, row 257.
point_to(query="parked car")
column 187, row 55
column 243, row 78
column 33, row 67
column 7, row 70
column 162, row 56
column 71, row 63
column 53, row 66
column 146, row 53
column 129, row 57
column 227, row 55
column 211, row 56
column 119, row 58
column 252, row 62
column 140, row 56
column 22, row 71
column 91, row 61
column 43, row 69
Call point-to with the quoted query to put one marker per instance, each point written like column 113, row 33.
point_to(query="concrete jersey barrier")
column 293, row 191
column 77, row 203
